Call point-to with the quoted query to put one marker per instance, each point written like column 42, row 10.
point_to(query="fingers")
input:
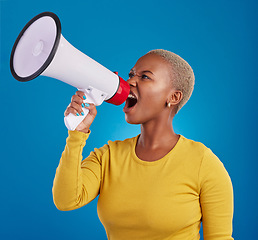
column 80, row 94
column 77, row 99
column 76, row 106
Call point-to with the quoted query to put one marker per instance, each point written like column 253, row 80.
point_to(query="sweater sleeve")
column 216, row 198
column 77, row 182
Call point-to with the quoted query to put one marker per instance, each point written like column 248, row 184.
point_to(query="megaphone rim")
column 52, row 53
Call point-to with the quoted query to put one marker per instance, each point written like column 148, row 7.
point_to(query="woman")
column 157, row 185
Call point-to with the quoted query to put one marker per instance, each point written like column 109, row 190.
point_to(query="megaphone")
column 40, row 49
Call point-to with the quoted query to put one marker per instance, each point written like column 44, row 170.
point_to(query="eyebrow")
column 145, row 71
column 148, row 72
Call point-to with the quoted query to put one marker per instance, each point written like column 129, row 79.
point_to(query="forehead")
column 151, row 62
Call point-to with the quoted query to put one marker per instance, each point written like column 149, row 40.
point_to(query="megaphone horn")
column 40, row 49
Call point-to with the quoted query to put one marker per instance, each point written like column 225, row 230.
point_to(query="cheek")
column 155, row 96
column 152, row 101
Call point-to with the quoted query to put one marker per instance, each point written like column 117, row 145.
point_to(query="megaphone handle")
column 72, row 121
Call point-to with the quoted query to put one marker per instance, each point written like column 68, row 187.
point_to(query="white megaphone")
column 40, row 49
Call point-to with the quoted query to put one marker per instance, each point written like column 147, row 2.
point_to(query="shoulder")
column 122, row 143
column 200, row 155
column 198, row 148
column 193, row 145
column 117, row 146
column 211, row 169
column 191, row 149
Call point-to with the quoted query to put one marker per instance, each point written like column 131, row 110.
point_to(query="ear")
column 175, row 98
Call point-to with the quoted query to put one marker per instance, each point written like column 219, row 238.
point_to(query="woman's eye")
column 145, row 76
column 130, row 75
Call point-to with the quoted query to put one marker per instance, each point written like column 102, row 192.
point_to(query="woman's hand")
column 75, row 107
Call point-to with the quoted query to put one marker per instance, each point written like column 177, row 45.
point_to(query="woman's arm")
column 77, row 183
column 216, row 199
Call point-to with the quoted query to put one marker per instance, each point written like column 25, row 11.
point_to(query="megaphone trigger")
column 94, row 95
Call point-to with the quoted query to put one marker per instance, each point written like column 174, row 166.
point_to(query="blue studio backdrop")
column 218, row 39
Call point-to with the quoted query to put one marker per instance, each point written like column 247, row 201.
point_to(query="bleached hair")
column 183, row 76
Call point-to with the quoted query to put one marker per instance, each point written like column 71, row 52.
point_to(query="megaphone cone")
column 40, row 49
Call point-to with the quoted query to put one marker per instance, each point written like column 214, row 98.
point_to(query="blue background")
column 218, row 39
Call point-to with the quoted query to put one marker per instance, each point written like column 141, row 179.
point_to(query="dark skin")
column 150, row 81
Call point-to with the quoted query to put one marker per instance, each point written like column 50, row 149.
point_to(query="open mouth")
column 131, row 101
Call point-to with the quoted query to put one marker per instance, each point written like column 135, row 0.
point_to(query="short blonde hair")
column 183, row 75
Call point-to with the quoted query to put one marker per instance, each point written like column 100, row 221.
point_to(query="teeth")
column 131, row 96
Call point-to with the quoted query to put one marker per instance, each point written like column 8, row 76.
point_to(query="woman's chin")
column 131, row 120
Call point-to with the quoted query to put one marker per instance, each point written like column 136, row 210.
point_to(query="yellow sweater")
column 163, row 200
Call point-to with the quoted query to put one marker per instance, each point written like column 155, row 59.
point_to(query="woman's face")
column 150, row 84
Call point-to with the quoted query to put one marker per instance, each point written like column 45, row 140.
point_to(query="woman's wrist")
column 86, row 130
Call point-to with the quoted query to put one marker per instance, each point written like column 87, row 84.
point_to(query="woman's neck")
column 156, row 134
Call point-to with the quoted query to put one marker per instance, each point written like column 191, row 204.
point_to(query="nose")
column 132, row 81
